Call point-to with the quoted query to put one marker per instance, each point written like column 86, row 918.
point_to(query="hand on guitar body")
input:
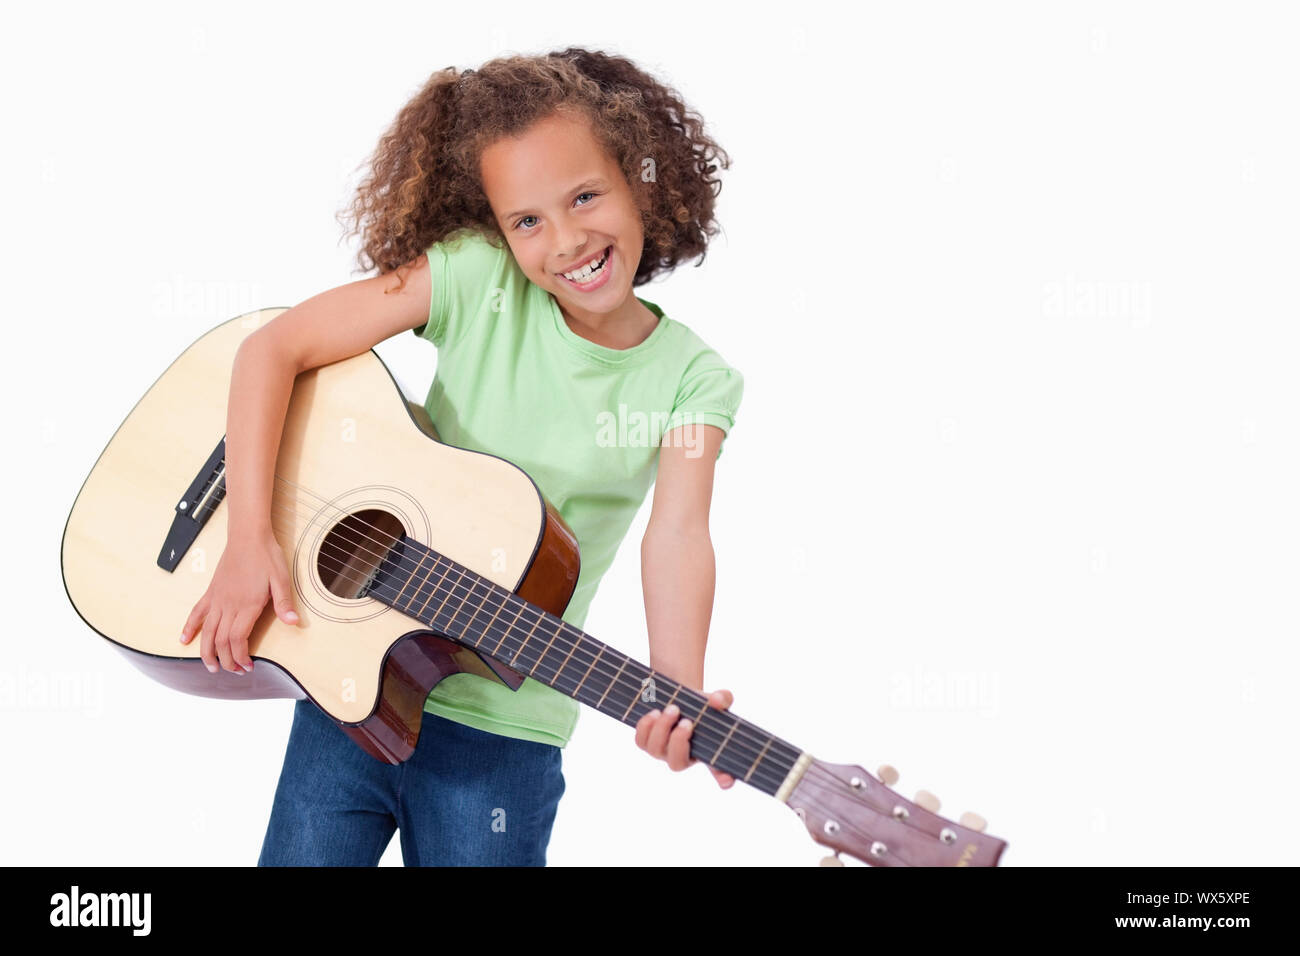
column 657, row 736
column 252, row 567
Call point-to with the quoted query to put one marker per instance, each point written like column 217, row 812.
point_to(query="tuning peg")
column 926, row 801
column 887, row 774
column 973, row 821
column 832, row 860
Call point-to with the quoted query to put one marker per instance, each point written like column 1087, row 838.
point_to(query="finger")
column 282, row 595
column 725, row 780
column 659, row 733
column 239, row 628
column 679, row 746
column 721, row 699
column 192, row 622
column 223, row 644
column 207, row 650
column 644, row 726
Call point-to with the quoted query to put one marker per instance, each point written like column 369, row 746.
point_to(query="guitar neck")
column 458, row 603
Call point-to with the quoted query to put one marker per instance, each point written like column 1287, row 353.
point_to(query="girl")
column 517, row 206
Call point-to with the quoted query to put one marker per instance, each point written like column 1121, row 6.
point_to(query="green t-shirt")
column 583, row 420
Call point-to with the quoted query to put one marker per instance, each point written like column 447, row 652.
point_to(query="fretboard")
column 458, row 603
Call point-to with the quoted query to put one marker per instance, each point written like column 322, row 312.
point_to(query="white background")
column 1011, row 498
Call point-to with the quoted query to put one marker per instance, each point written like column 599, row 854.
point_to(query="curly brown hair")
column 424, row 181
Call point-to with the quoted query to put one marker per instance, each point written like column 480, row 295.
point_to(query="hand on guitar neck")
column 663, row 736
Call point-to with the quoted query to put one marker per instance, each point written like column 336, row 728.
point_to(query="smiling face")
column 563, row 204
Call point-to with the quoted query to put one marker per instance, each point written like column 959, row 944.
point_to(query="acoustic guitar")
column 411, row 559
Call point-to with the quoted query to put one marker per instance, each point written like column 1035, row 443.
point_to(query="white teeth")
column 578, row 275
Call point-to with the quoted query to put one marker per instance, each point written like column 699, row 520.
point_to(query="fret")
column 496, row 648
column 518, row 642
column 496, row 631
column 559, row 671
column 472, row 601
column 637, row 696
column 526, row 645
column 392, row 581
column 508, row 629
column 777, row 767
column 756, row 760
column 648, row 682
column 630, row 687
column 479, row 601
column 771, row 768
column 574, row 643
column 446, row 601
column 655, row 679
column 610, row 685
column 497, row 609
column 407, row 603
column 515, row 635
column 441, row 589
column 722, row 746
column 587, row 673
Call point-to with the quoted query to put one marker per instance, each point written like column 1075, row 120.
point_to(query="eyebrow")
column 586, row 184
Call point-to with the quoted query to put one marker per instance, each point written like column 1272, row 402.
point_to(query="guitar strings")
column 700, row 731
column 708, row 737
column 703, row 732
column 773, row 780
column 560, row 641
column 508, row 596
column 603, row 667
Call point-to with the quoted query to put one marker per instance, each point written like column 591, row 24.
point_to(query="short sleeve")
column 464, row 270
column 709, row 394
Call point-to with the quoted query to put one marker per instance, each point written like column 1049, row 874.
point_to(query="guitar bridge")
column 195, row 507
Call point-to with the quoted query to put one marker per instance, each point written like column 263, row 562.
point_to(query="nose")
column 570, row 241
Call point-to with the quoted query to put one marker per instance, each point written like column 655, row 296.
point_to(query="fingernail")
column 685, row 723
column 247, row 667
column 182, row 637
column 212, row 668
column 671, row 710
column 291, row 617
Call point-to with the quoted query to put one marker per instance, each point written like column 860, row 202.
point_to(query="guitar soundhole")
column 353, row 549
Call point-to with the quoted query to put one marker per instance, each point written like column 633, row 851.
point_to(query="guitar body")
column 352, row 446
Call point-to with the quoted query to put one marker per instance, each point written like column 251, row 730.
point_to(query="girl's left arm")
column 677, row 575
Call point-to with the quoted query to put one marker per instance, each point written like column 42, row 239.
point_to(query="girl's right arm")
column 329, row 327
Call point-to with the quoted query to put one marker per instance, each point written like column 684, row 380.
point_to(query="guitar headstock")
column 851, row 811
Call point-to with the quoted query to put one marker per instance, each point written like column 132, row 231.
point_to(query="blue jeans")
column 465, row 798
